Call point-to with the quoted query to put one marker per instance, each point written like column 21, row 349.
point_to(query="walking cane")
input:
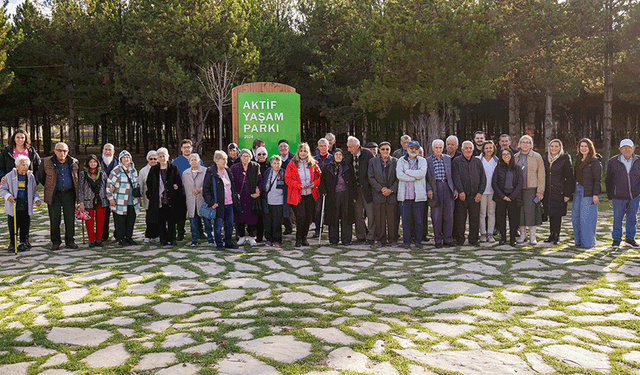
column 15, row 228
column 321, row 221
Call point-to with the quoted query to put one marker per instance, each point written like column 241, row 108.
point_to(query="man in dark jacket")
column 469, row 180
column 440, row 186
column 384, row 184
column 323, row 158
column 107, row 163
column 359, row 158
column 404, row 143
column 623, row 189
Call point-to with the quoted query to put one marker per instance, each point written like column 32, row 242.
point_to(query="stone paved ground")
column 321, row 310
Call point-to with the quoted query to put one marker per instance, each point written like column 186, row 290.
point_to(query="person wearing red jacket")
column 303, row 178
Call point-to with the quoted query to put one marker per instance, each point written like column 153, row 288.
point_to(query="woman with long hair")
column 487, row 205
column 559, row 189
column 507, row 182
column 165, row 192
column 584, row 213
column 19, row 144
column 246, row 176
column 338, row 186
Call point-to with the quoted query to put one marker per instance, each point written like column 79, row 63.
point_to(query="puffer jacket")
column 592, row 176
column 619, row 183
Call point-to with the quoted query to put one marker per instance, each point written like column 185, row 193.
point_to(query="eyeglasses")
column 414, row 148
column 262, row 154
column 385, row 149
column 153, row 158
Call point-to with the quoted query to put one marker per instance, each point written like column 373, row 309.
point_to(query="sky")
column 11, row 7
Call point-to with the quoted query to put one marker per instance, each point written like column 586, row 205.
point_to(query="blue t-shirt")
column 22, row 192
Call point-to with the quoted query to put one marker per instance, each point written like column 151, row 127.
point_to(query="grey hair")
column 330, row 136
column 323, row 140
column 152, row 153
column 194, row 155
column 453, row 137
column 244, row 151
column 276, row 158
column 61, row 144
column 505, row 135
column 163, row 151
column 526, row 137
column 20, row 158
column 465, row 142
column 354, row 140
column 219, row 155
column 437, row 142
column 405, row 138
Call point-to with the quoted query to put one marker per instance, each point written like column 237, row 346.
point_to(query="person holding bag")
column 219, row 194
column 92, row 195
column 123, row 192
column 246, row 176
column 274, row 193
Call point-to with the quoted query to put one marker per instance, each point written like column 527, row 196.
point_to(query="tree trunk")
column 514, row 120
column 549, row 128
column 73, row 142
column 607, row 123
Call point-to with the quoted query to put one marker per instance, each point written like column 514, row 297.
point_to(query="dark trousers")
column 152, row 230
column 125, row 223
column 305, row 211
column 251, row 229
column 63, row 202
column 272, row 226
column 341, row 223
column 105, row 228
column 227, row 223
column 442, row 216
column 180, row 222
column 318, row 215
column 385, row 216
column 555, row 222
column 412, row 214
column 260, row 228
column 469, row 208
column 288, row 225
column 502, row 208
column 23, row 222
column 166, row 225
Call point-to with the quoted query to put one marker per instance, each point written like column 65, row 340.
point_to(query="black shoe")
column 220, row 247
column 513, row 243
column 55, row 246
column 22, row 248
column 418, row 245
column 298, row 244
column 305, row 242
column 632, row 242
column 458, row 243
column 615, row 244
column 132, row 242
column 556, row 239
column 346, row 243
column 333, row 243
column 438, row 246
column 180, row 238
column 502, row 242
column 550, row 239
column 316, row 235
column 72, row 245
column 123, row 243
column 92, row 244
column 370, row 242
column 12, row 248
column 287, row 232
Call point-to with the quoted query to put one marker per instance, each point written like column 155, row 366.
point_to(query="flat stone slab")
column 202, row 348
column 219, row 296
column 356, row 285
column 284, row 349
column 579, row 357
column 347, row 359
column 460, row 302
column 633, row 356
column 177, row 339
column 173, row 308
column 180, row 369
column 145, row 288
column 72, row 295
column 393, row 290
column 285, row 278
column 155, row 360
column 300, row 297
column 446, row 329
column 244, row 364
column 471, row 362
column 332, row 335
column 81, row 308
column 15, row 368
column 245, row 283
column 625, row 333
column 56, row 360
column 177, row 271
column 132, row 301
column 452, row 287
column 593, row 307
column 365, row 328
column 113, row 355
column 524, row 298
column 78, row 336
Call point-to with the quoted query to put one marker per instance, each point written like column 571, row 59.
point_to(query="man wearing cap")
column 373, row 147
column 623, row 189
column 286, row 155
column 469, row 180
column 323, row 158
column 412, row 192
column 232, row 153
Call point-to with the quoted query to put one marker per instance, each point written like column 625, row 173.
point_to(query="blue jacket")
column 619, row 183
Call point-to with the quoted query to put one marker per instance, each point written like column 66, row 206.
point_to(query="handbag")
column 433, row 202
column 207, row 211
column 135, row 190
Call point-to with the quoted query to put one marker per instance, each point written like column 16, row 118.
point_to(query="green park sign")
column 270, row 116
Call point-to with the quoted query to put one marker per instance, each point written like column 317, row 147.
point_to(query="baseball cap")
column 413, row 144
column 626, row 142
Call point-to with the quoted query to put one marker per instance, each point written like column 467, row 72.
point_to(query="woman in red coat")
column 303, row 178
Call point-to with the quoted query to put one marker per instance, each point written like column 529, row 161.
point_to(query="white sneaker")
column 146, row 240
column 242, row 240
column 155, row 240
column 533, row 241
column 483, row 238
column 252, row 242
column 491, row 239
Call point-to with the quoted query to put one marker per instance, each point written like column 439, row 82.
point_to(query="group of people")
column 479, row 181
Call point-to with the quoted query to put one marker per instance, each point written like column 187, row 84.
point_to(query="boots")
column 523, row 234
column 532, row 236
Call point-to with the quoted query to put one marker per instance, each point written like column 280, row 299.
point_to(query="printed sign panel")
column 270, row 116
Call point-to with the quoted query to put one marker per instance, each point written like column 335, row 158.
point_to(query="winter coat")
column 87, row 196
column 418, row 176
column 8, row 162
column 619, row 183
column 209, row 195
column 499, row 180
column 175, row 196
column 142, row 178
column 48, row 176
column 378, row 180
column 189, row 183
column 292, row 178
column 10, row 189
column 591, row 175
column 560, row 184
column 535, row 171
column 328, row 183
column 468, row 176
column 119, row 178
column 362, row 177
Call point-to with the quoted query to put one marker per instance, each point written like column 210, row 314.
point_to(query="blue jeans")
column 195, row 234
column 227, row 222
column 412, row 213
column 584, row 216
column 622, row 207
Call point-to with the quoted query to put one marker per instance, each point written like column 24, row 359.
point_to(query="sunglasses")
column 261, row 154
column 153, row 158
column 414, row 148
column 385, row 149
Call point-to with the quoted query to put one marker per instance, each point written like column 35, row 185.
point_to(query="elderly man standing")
column 107, row 163
column 452, row 147
column 412, row 192
column 384, row 182
column 59, row 175
column 359, row 159
column 470, row 180
column 323, row 157
column 440, row 187
column 402, row 151
column 623, row 189
column 332, row 142
column 505, row 142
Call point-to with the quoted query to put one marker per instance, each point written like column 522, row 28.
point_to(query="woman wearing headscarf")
column 584, row 213
column 532, row 166
column 151, row 231
column 120, row 187
column 338, row 186
column 303, row 178
column 232, row 154
column 559, row 189
column 92, row 195
column 165, row 193
column 246, row 176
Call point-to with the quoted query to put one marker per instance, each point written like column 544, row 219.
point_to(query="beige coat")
column 535, row 171
column 189, row 182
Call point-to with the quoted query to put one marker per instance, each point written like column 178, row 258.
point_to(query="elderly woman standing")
column 219, row 192
column 120, row 186
column 164, row 190
column 92, row 195
column 151, row 231
column 584, row 213
column 193, row 181
column 532, row 166
column 246, row 175
column 338, row 186
column 303, row 178
column 20, row 192
column 559, row 189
